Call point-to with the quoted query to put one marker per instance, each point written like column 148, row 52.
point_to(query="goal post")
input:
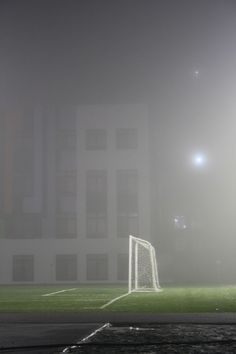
column 143, row 271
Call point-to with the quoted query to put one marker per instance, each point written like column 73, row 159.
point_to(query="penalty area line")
column 113, row 300
column 60, row 291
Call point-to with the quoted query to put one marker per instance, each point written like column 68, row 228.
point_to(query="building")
column 74, row 183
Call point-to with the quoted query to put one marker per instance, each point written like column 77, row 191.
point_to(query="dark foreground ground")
column 118, row 333
column 160, row 338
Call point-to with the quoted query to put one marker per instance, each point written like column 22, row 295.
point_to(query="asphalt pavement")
column 41, row 338
column 53, row 331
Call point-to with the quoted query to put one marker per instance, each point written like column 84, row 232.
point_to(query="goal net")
column 143, row 272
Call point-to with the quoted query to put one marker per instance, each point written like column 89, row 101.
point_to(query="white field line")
column 67, row 350
column 113, row 300
column 95, row 332
column 57, row 292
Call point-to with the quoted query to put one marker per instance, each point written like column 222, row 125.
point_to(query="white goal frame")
column 134, row 244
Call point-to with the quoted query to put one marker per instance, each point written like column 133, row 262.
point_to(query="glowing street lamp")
column 199, row 160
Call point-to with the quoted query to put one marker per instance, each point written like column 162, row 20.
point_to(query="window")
column 126, row 138
column 97, row 267
column 96, row 225
column 127, row 203
column 66, row 183
column 66, row 227
column 66, row 161
column 127, row 224
column 122, row 266
column 66, row 267
column 66, row 141
column 96, row 203
column 23, row 167
column 66, row 204
column 96, row 139
column 127, row 191
column 66, row 149
column 23, row 268
column 23, row 226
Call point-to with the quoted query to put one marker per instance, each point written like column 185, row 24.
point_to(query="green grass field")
column 91, row 298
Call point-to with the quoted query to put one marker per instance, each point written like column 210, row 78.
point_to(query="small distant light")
column 179, row 222
column 196, row 73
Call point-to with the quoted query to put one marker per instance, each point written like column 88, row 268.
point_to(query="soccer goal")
column 143, row 272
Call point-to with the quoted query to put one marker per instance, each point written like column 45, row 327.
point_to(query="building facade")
column 74, row 184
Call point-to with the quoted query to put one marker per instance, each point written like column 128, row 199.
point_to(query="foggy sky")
column 116, row 51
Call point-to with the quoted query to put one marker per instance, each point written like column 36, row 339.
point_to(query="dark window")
column 66, row 183
column 23, row 268
column 66, row 227
column 96, row 225
column 96, row 139
column 97, row 267
column 96, row 203
column 23, row 167
column 122, row 266
column 127, row 224
column 66, row 161
column 126, row 138
column 66, row 267
column 127, row 191
column 23, row 226
column 66, row 204
column 66, row 141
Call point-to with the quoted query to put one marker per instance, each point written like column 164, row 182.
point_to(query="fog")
column 117, row 118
